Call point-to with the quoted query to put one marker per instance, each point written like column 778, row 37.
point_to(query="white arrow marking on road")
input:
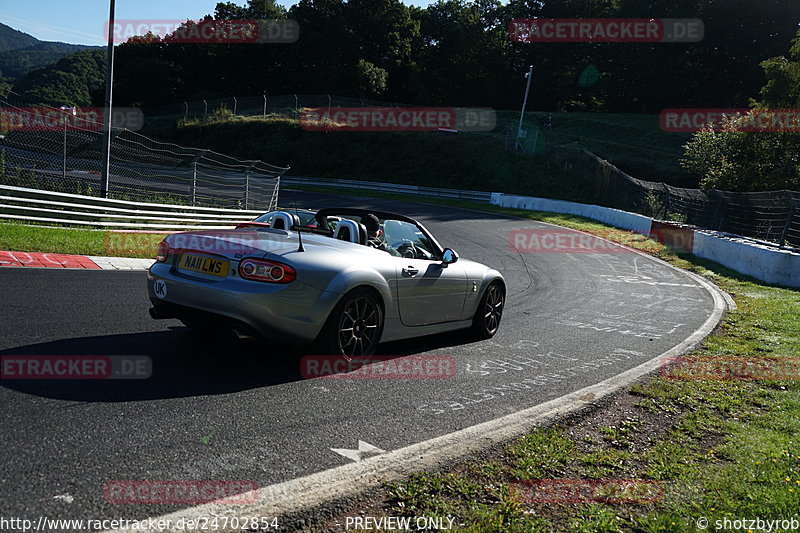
column 364, row 449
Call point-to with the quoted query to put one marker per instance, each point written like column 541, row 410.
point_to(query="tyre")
column 490, row 311
column 354, row 327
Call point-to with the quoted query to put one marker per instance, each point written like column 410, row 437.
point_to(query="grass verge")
column 22, row 238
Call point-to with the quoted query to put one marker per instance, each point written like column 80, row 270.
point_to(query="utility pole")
column 106, row 162
column 529, row 75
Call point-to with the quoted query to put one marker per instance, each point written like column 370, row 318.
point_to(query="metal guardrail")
column 51, row 207
column 416, row 190
column 36, row 205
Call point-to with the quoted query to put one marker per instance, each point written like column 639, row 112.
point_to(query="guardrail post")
column 295, row 105
column 792, row 211
column 185, row 111
column 205, row 109
column 265, row 105
column 329, row 105
column 234, row 105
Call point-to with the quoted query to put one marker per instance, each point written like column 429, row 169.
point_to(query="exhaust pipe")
column 239, row 335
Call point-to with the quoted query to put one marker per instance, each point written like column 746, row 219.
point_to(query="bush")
column 735, row 159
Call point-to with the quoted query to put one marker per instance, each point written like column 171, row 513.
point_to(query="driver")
column 374, row 232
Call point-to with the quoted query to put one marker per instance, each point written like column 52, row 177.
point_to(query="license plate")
column 206, row 265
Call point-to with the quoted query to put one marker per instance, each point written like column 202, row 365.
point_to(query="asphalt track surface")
column 212, row 411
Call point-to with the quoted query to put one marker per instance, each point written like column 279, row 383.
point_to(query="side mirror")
column 449, row 256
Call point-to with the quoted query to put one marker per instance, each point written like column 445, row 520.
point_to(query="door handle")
column 410, row 271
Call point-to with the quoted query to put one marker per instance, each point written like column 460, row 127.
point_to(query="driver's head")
column 372, row 224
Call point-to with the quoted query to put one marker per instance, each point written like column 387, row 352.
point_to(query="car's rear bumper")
column 294, row 312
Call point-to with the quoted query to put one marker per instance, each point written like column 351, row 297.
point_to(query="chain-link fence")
column 771, row 216
column 67, row 158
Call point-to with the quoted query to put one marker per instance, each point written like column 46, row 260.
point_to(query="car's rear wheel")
column 490, row 311
column 355, row 326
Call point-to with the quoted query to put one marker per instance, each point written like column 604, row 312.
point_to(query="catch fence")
column 65, row 157
column 769, row 216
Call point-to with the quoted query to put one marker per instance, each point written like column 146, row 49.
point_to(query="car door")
column 429, row 292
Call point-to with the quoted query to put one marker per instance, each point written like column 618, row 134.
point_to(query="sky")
column 83, row 21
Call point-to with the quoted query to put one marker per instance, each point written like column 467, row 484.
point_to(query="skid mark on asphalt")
column 563, row 368
column 613, row 324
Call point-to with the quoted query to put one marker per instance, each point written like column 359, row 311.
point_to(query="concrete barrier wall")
column 612, row 217
column 766, row 263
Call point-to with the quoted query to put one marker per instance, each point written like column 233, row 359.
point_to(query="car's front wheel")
column 490, row 311
column 355, row 326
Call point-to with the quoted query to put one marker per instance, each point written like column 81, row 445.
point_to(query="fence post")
column 329, row 105
column 719, row 215
column 64, row 167
column 668, row 202
column 295, row 105
column 247, row 184
column 193, row 162
column 205, row 109
column 792, row 211
column 265, row 105
column 194, row 181
column 185, row 111
column 234, row 105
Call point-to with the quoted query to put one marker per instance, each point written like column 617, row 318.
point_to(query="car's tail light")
column 163, row 252
column 266, row 271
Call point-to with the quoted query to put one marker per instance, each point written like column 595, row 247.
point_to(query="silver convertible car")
column 343, row 281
